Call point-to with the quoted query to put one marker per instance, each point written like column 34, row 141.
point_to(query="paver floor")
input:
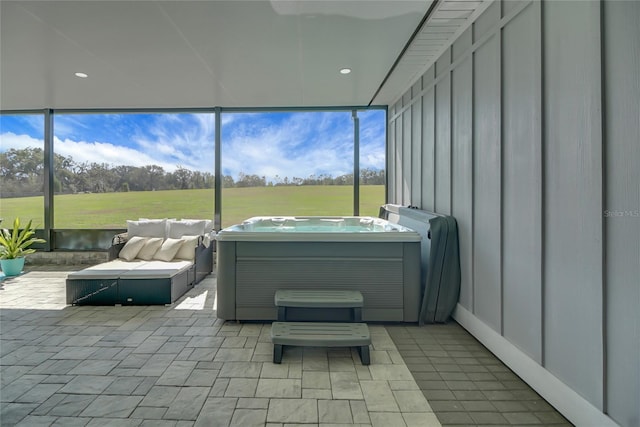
column 181, row 366
column 465, row 384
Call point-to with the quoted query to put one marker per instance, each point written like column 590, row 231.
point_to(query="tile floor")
column 180, row 366
column 465, row 384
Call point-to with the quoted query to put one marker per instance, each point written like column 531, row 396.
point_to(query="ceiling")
column 168, row 54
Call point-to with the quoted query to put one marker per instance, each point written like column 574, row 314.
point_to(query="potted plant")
column 14, row 245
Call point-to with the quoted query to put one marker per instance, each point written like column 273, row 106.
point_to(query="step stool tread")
column 323, row 298
column 320, row 334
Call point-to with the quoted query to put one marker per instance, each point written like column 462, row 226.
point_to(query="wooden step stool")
column 323, row 298
column 320, row 334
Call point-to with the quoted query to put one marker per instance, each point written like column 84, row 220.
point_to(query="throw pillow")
column 168, row 250
column 208, row 224
column 150, row 248
column 177, row 229
column 166, row 224
column 188, row 249
column 132, row 247
column 147, row 228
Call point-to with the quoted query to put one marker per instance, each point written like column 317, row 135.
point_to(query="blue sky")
column 291, row 144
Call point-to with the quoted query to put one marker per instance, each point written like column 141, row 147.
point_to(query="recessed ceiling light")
column 82, row 75
column 345, row 70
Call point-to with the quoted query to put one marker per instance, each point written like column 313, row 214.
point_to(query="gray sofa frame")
column 112, row 290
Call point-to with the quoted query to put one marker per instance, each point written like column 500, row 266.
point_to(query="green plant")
column 15, row 243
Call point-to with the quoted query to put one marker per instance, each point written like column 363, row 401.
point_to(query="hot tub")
column 371, row 255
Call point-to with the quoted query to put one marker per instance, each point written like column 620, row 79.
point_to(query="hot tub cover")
column 442, row 287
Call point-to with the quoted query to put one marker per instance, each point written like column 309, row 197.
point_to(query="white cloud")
column 372, row 143
column 82, row 151
column 186, row 141
column 9, row 140
column 288, row 145
column 104, row 152
column 299, row 147
column 296, row 147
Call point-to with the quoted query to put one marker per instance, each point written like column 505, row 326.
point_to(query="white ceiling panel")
column 164, row 54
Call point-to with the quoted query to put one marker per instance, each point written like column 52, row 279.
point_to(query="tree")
column 22, row 174
column 227, row 181
column 22, row 171
column 250, row 180
column 182, row 177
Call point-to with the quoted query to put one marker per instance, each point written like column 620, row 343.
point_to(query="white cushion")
column 150, row 248
column 132, row 247
column 166, row 223
column 208, row 224
column 147, row 228
column 157, row 270
column 156, row 219
column 106, row 270
column 188, row 249
column 168, row 249
column 177, row 229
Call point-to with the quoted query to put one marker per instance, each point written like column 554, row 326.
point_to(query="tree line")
column 22, row 175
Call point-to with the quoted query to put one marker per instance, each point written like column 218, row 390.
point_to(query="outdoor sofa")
column 155, row 262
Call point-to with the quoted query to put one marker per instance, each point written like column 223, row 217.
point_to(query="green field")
column 111, row 210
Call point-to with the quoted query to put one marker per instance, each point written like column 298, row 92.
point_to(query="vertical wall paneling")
column 442, row 64
column 443, row 146
column 487, row 298
column 521, row 183
column 428, row 151
column 530, row 140
column 622, row 208
column 416, row 88
column 391, row 162
column 399, row 178
column 487, row 20
column 461, row 45
column 573, row 205
column 428, row 77
column 406, row 156
column 462, row 172
column 395, row 170
column 406, row 98
column 416, row 153
column 509, row 5
column 415, row 124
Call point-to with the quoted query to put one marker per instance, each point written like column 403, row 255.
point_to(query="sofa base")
column 137, row 282
column 152, row 291
column 128, row 291
column 92, row 291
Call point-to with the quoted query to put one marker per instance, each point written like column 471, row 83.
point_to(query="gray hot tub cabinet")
column 387, row 274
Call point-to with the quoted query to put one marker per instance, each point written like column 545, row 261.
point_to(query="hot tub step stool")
column 320, row 334
column 321, row 298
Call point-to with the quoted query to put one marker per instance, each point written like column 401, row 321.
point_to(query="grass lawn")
column 111, row 210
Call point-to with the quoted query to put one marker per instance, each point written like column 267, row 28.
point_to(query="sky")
column 279, row 144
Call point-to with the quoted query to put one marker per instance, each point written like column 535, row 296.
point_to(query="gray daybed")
column 159, row 277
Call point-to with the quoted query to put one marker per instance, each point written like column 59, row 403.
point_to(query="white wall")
column 527, row 131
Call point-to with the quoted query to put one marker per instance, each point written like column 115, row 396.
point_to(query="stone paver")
column 302, row 411
column 464, row 383
column 181, row 366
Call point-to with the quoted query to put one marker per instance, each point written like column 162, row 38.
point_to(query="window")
column 372, row 161
column 286, row 163
column 113, row 167
column 22, row 168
